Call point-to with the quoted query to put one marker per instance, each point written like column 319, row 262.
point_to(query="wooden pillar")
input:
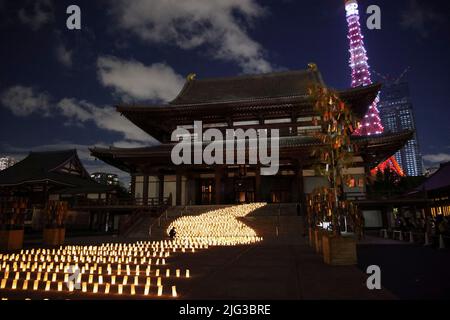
column 258, row 184
column 161, row 188
column 133, row 186
column 301, row 189
column 218, row 184
column 178, row 188
column 145, row 191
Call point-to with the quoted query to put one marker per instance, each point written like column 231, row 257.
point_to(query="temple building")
column 53, row 176
column 278, row 100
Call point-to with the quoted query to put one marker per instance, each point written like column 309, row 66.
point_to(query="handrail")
column 150, row 202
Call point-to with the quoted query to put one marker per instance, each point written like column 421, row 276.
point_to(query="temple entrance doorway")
column 244, row 190
column 206, row 191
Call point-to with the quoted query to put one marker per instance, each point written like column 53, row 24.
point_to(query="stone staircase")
column 270, row 221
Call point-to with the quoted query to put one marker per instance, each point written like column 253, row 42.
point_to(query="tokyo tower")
column 371, row 124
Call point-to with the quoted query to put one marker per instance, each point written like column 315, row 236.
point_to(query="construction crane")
column 388, row 79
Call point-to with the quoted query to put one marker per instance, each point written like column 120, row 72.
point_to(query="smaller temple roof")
column 375, row 149
column 62, row 168
column 437, row 181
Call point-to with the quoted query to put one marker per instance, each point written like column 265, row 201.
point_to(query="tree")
column 336, row 152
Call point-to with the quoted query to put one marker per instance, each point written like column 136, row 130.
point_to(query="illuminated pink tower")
column 371, row 124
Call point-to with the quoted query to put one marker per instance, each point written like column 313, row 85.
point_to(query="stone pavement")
column 282, row 267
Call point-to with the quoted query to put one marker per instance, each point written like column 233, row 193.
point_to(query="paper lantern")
column 47, row 285
column 95, row 289
column 178, row 273
column 160, row 291
column 60, row 286
column 120, row 289
column 107, row 287
column 187, row 273
column 25, row 285
column 84, row 287
column 36, row 285
column 174, row 291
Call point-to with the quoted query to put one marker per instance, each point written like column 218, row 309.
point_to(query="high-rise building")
column 108, row 179
column 6, row 162
column 397, row 114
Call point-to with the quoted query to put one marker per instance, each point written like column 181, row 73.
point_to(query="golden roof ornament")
column 312, row 66
column 191, row 76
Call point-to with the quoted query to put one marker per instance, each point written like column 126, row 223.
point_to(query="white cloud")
column 23, row 101
column 437, row 158
column 220, row 25
column 134, row 80
column 64, row 55
column 36, row 14
column 420, row 18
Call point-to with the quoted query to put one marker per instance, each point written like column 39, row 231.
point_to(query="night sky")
column 58, row 87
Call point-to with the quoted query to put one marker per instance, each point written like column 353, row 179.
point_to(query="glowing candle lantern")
column 178, row 273
column 60, row 286
column 25, row 285
column 95, row 289
column 146, row 290
column 107, row 286
column 167, row 273
column 100, row 279
column 91, row 278
column 84, row 287
column 54, row 277
column 159, row 282
column 17, row 276
column 160, row 291
column 136, row 280
column 66, row 277
column 125, row 280
column 36, row 284
column 148, row 281
column 133, row 290
column 188, row 274
column 120, row 289
column 14, row 284
column 157, row 272
column 174, row 291
column 163, row 261
column 47, row 285
column 147, row 271
column 113, row 279
column 71, row 286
